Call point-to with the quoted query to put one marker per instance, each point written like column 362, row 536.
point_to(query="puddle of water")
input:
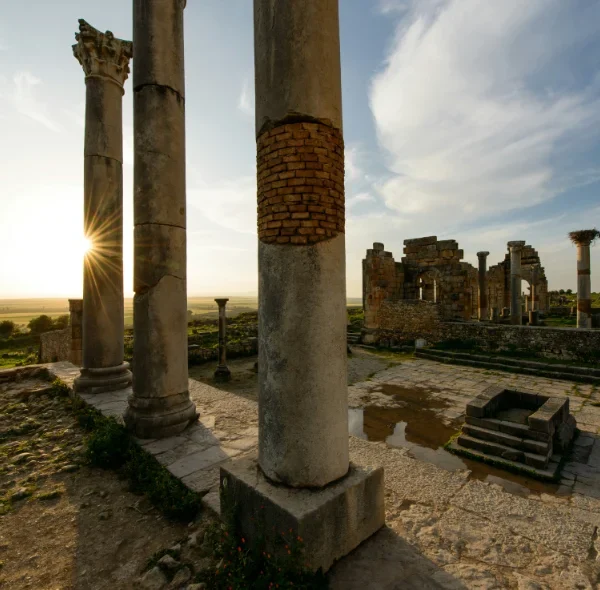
column 417, row 423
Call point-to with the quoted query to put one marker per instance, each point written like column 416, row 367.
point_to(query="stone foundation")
column 55, row 346
column 330, row 522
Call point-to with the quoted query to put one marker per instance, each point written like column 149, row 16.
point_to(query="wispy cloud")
column 26, row 102
column 246, row 99
column 469, row 123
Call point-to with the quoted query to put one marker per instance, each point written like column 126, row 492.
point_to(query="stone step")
column 499, row 450
column 523, row 444
column 512, row 428
column 550, row 473
column 548, row 370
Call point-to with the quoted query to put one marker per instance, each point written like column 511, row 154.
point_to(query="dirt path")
column 63, row 524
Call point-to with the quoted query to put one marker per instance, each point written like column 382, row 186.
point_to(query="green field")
column 21, row 311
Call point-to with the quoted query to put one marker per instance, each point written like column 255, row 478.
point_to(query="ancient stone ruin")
column 518, row 430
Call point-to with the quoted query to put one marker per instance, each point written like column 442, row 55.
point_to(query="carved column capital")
column 516, row 246
column 102, row 55
column 483, row 254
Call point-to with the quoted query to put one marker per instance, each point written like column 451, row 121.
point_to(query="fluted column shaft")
column 222, row 372
column 105, row 62
column 303, row 420
column 584, row 286
column 160, row 405
column 516, row 313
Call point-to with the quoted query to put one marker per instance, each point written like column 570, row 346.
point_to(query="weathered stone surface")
column 331, row 521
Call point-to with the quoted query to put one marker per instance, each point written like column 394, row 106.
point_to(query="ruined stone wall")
column 55, row 346
column 432, row 266
column 561, row 343
column 404, row 321
column 382, row 280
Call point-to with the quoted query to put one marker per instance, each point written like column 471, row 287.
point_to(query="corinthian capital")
column 102, row 54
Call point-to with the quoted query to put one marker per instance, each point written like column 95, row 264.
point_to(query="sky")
column 465, row 119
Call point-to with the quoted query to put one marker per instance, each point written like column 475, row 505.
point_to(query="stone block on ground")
column 331, row 521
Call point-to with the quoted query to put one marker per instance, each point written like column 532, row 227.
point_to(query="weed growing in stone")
column 251, row 567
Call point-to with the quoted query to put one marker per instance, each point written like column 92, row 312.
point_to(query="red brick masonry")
column 300, row 184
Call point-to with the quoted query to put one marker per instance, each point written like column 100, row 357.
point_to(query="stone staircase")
column 353, row 338
column 501, row 363
column 508, row 440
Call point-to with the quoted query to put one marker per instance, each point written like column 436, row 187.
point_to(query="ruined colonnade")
column 105, row 62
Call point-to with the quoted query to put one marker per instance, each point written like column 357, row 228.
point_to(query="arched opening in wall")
column 428, row 287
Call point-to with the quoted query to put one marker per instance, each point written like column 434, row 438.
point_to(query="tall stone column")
column 303, row 408
column 482, row 279
column 516, row 313
column 75, row 322
column 222, row 373
column 105, row 62
column 160, row 405
column 583, row 239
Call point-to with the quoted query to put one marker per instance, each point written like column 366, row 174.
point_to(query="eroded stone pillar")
column 222, row 373
column 516, row 313
column 75, row 324
column 303, row 408
column 482, row 279
column 105, row 61
column 160, row 405
column 583, row 239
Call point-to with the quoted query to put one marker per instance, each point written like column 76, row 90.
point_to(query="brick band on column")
column 300, row 184
column 585, row 306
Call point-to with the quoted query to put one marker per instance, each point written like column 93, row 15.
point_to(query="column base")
column 103, row 380
column 222, row 373
column 331, row 521
column 159, row 417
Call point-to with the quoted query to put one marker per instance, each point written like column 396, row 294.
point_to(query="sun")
column 85, row 246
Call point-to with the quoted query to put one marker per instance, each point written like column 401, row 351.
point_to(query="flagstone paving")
column 446, row 527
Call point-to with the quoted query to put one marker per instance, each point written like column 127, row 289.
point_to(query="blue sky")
column 465, row 119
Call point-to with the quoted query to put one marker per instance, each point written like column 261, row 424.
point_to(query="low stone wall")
column 55, row 346
column 198, row 355
column 561, row 343
column 403, row 321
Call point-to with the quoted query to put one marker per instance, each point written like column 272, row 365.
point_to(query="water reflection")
column 417, row 423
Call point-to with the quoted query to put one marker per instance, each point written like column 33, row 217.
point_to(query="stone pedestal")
column 222, row 373
column 160, row 405
column 482, row 282
column 495, row 314
column 105, row 61
column 303, row 407
column 75, row 322
column 331, row 521
column 516, row 312
column 534, row 317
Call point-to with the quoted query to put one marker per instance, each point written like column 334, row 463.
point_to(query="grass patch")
column 252, row 567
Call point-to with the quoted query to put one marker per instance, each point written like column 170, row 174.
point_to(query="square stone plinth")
column 331, row 521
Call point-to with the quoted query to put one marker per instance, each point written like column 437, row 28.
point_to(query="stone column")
column 535, row 298
column 160, row 405
column 75, row 321
column 222, row 373
column 583, row 239
column 105, row 61
column 482, row 277
column 516, row 313
column 303, row 407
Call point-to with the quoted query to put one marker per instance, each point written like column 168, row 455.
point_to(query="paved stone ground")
column 444, row 529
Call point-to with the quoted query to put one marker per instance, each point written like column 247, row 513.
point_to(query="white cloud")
column 360, row 198
column 27, row 103
column 466, row 131
column 246, row 100
column 229, row 204
column 352, row 165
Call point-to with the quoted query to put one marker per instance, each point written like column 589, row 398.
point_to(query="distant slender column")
column 75, row 320
column 222, row 373
column 105, row 61
column 483, row 302
column 516, row 313
column 160, row 405
column 303, row 421
column 534, row 297
column 583, row 239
